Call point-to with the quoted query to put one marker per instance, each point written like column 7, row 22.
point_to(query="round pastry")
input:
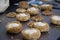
column 45, row 7
column 23, row 16
column 37, row 18
column 33, row 10
column 11, row 14
column 31, row 34
column 42, row 26
column 47, row 13
column 35, row 5
column 20, row 10
column 14, row 27
column 23, row 4
column 55, row 19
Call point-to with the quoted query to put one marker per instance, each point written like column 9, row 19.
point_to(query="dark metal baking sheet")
column 53, row 33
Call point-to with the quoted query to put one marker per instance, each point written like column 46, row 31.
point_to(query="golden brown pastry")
column 23, row 4
column 20, row 10
column 45, row 7
column 47, row 13
column 33, row 10
column 31, row 34
column 14, row 27
column 42, row 26
column 11, row 14
column 37, row 18
column 23, row 16
column 55, row 19
column 30, row 24
column 35, row 5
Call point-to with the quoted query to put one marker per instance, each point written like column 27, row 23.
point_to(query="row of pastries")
column 36, row 26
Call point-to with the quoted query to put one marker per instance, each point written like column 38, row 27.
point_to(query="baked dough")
column 47, row 13
column 33, row 10
column 55, row 19
column 14, row 27
column 31, row 34
column 11, row 14
column 35, row 5
column 37, row 18
column 45, row 7
column 23, row 16
column 42, row 26
column 23, row 4
column 20, row 10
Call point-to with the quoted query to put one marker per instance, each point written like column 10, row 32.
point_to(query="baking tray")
column 53, row 33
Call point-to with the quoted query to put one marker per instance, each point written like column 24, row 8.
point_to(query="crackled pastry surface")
column 14, row 27
column 47, row 13
column 11, row 14
column 37, row 18
column 42, row 26
column 39, row 24
column 30, row 31
column 55, row 19
column 20, row 10
column 23, row 4
column 45, row 7
column 33, row 10
column 31, row 34
column 23, row 16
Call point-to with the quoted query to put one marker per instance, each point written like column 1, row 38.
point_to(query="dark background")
column 15, row 1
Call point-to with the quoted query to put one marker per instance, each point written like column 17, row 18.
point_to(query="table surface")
column 53, row 33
